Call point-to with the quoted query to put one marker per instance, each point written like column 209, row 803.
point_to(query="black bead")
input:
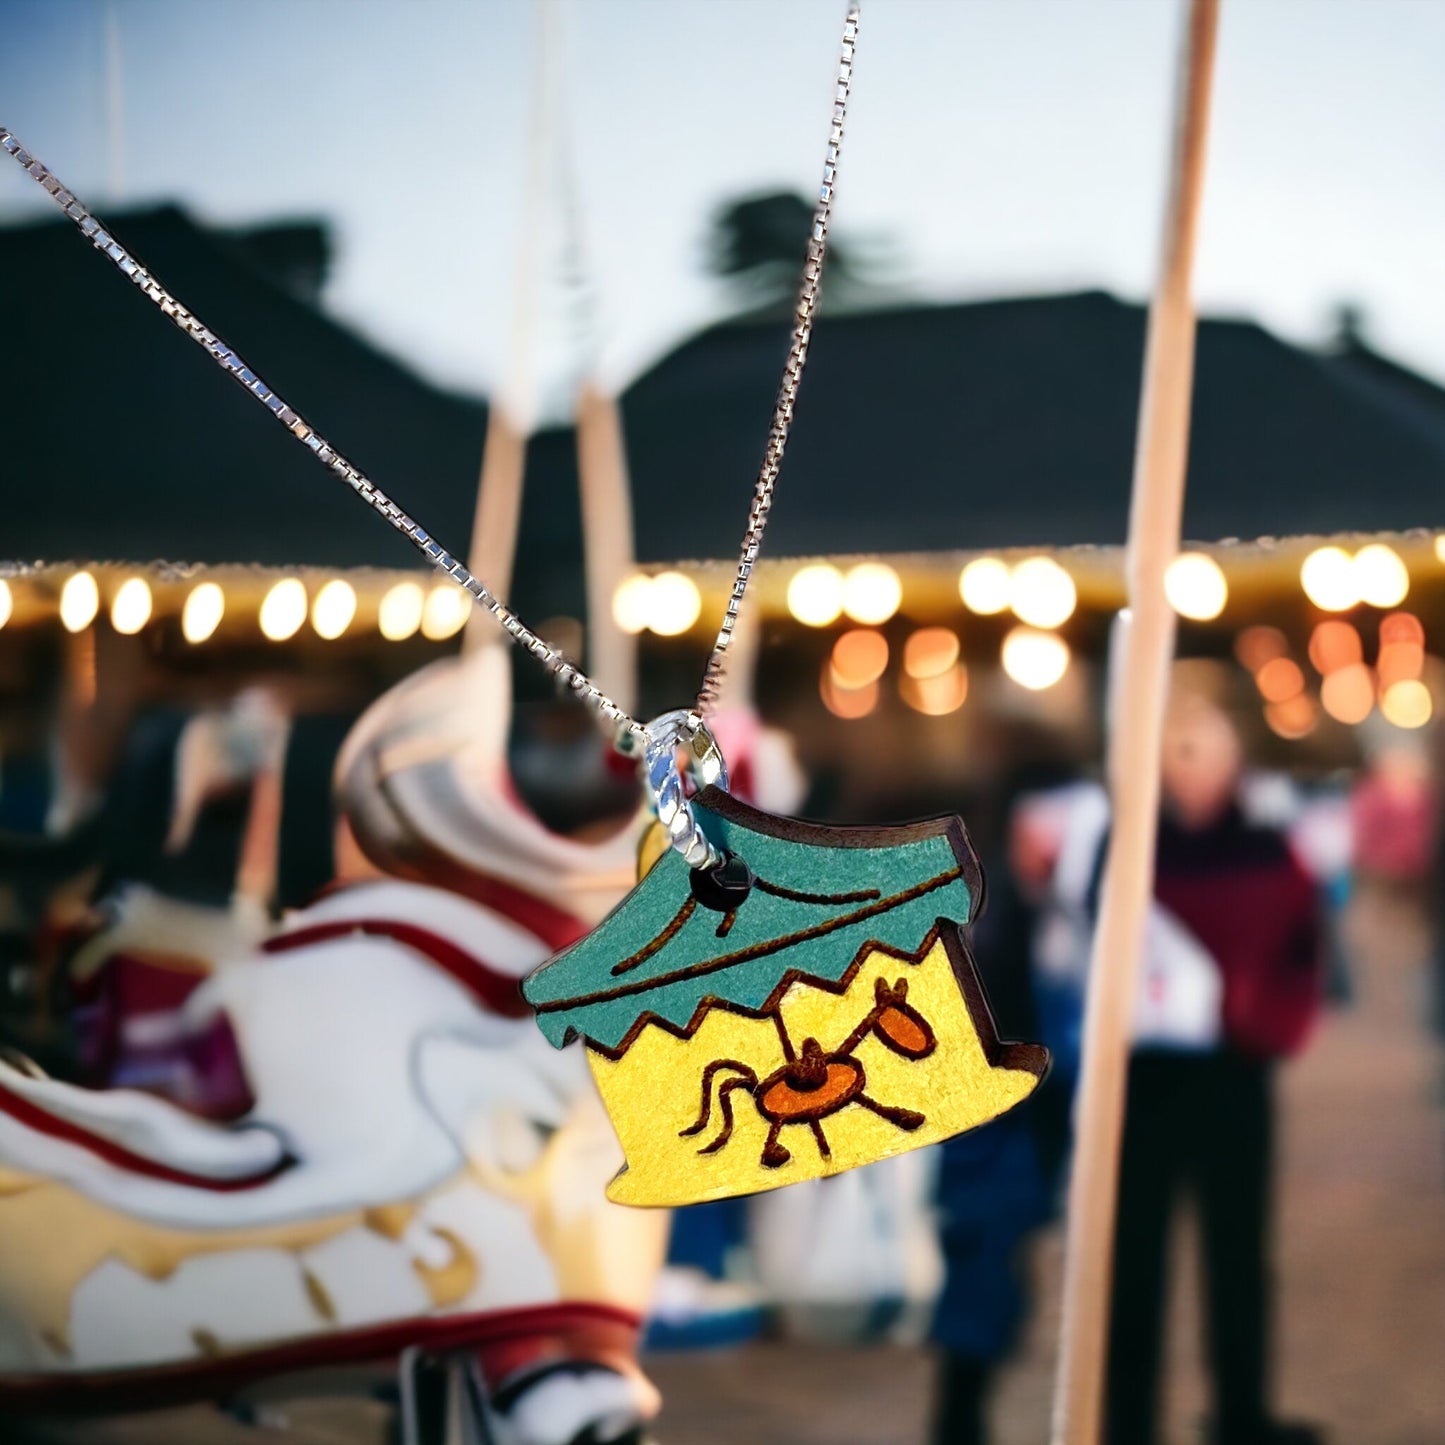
column 725, row 886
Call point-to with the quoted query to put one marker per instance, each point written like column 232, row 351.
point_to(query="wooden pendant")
column 805, row 1008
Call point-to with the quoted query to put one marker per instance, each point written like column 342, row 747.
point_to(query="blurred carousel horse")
column 184, row 887
column 408, row 1163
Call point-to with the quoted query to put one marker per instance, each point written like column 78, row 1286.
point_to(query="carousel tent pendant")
column 804, row 1007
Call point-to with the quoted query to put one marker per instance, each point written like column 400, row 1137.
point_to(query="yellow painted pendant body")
column 831, row 1018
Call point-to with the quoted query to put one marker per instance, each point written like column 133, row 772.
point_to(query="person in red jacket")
column 1230, row 983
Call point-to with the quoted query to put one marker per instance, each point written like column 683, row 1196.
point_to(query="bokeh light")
column 1348, row 695
column 1293, row 719
column 1333, row 645
column 1041, row 593
column 1329, row 579
column 631, row 602
column 1401, row 627
column 673, row 604
column 445, row 612
column 859, row 657
column 930, row 652
column 1399, row 662
column 130, row 608
column 79, row 602
column 1280, row 679
column 1196, row 587
column 984, row 585
column 202, row 611
column 399, row 614
column 936, row 694
column 815, row 594
column 333, row 610
column 284, row 609
column 847, row 702
column 1407, row 704
column 1033, row 659
column 1380, row 575
column 1257, row 645
column 871, row 593
column 7, row 602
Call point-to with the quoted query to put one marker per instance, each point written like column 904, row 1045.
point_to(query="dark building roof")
column 1012, row 422
column 918, row 428
column 121, row 439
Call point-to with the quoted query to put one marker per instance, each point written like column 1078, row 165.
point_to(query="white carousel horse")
column 416, row 1167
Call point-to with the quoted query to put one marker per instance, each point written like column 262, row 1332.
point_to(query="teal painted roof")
column 822, row 894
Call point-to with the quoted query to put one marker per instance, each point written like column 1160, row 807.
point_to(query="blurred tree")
column 758, row 243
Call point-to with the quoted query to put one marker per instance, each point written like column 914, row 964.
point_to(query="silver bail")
column 683, row 732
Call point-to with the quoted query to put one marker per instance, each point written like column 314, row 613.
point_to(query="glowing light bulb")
column 7, row 602
column 1330, row 580
column 130, row 609
column 283, row 609
column 871, row 593
column 202, row 611
column 444, row 612
column 1035, row 660
column 79, row 602
column 984, row 585
column 815, row 594
column 673, row 604
column 1348, row 695
column 1407, row 704
column 631, row 603
column 1440, row 547
column 1196, row 587
column 930, row 652
column 1381, row 578
column 333, row 610
column 399, row 614
column 859, row 657
column 1041, row 593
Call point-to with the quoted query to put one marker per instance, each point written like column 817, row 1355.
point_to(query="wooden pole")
column 1138, row 697
column 512, row 411
column 607, row 543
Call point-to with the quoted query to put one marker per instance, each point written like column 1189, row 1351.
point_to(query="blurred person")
column 1231, row 983
column 998, row 1185
column 1393, row 814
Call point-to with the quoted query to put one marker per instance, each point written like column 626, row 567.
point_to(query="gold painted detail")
column 320, row 1300
column 452, row 1282
column 389, row 1220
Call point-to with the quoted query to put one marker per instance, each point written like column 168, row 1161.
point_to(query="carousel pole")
column 607, row 538
column 1138, row 696
column 513, row 407
column 603, row 481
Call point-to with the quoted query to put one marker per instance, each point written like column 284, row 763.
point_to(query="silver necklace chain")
column 792, row 373
column 566, row 673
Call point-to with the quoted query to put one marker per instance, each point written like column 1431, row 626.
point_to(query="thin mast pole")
column 1139, row 695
